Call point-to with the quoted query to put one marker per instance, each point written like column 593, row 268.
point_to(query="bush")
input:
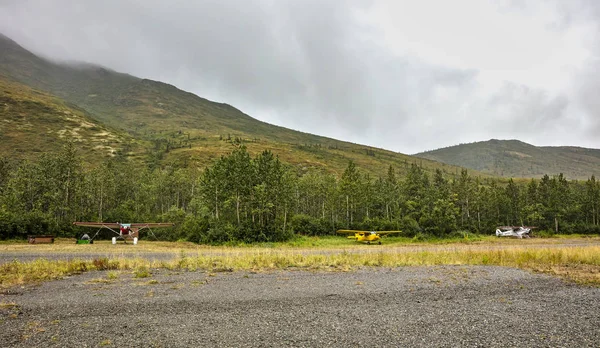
column 7, row 225
column 309, row 226
column 379, row 224
column 466, row 235
column 409, row 227
column 420, row 237
column 194, row 228
column 543, row 233
column 20, row 226
column 142, row 272
column 578, row 228
column 280, row 235
column 220, row 232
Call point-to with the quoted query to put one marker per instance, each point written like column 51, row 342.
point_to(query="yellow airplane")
column 366, row 236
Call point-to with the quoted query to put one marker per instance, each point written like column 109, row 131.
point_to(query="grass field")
column 574, row 258
column 326, row 242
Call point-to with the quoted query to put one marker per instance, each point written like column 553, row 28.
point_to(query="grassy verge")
column 341, row 241
column 579, row 264
column 325, row 242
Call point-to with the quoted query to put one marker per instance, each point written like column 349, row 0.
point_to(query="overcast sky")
column 407, row 76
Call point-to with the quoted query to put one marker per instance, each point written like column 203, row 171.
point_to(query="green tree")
column 442, row 219
column 464, row 190
column 350, row 185
column 213, row 186
column 240, row 176
column 390, row 194
column 592, row 200
column 514, row 203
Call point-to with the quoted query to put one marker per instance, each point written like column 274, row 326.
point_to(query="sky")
column 407, row 76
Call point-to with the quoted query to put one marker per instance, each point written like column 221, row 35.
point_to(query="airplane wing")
column 97, row 224
column 387, row 232
column 152, row 225
column 351, row 231
column 515, row 227
column 358, row 231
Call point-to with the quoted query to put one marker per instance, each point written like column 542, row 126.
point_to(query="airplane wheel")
column 368, row 243
column 379, row 243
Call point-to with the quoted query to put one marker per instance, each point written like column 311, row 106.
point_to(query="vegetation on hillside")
column 178, row 128
column 513, row 158
column 33, row 122
column 259, row 198
column 223, row 176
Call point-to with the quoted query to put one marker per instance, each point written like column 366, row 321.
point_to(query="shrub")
column 378, row 224
column 409, row 226
column 142, row 272
column 543, row 233
column 309, row 226
column 466, row 235
column 101, row 264
column 220, row 232
column 194, row 228
column 420, row 237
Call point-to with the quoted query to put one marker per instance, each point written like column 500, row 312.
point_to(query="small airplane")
column 513, row 231
column 126, row 231
column 366, row 236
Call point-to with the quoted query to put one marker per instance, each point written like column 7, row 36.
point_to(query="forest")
column 240, row 198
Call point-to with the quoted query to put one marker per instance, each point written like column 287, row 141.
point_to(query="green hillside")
column 180, row 127
column 33, row 122
column 513, row 158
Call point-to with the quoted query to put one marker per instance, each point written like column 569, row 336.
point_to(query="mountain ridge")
column 29, row 115
column 178, row 127
column 170, row 125
column 515, row 158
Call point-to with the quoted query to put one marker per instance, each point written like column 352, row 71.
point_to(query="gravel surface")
column 409, row 306
column 60, row 255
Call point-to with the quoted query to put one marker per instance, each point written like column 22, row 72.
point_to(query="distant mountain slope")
column 513, row 158
column 180, row 127
column 33, row 122
column 138, row 105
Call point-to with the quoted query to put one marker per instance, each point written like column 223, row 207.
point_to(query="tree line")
column 253, row 199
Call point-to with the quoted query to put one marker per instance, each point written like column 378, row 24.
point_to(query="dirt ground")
column 407, row 306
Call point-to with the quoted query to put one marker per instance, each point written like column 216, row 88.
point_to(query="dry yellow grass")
column 66, row 245
column 580, row 264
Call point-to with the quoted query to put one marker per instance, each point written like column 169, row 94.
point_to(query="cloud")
column 403, row 75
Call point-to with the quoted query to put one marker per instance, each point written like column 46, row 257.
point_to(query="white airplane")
column 126, row 231
column 513, row 231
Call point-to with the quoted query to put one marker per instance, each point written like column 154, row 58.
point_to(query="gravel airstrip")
column 443, row 306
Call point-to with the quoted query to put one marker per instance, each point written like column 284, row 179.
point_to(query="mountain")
column 34, row 122
column 163, row 123
column 514, row 158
